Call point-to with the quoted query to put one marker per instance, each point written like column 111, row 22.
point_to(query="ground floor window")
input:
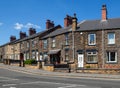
column 41, row 56
column 92, row 57
column 45, row 57
column 111, row 56
column 27, row 55
column 33, row 55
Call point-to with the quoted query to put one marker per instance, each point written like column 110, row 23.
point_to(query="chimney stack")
column 22, row 35
column 12, row 38
column 32, row 31
column 67, row 21
column 49, row 24
column 74, row 22
column 104, row 13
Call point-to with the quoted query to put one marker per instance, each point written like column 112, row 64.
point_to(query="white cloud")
column 19, row 26
column 1, row 24
column 28, row 25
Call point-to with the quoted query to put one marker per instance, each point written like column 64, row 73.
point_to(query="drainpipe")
column 103, row 55
column 74, row 27
column 73, row 45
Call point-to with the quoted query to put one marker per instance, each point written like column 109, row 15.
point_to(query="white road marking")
column 12, row 87
column 65, row 85
column 71, row 86
column 9, row 85
column 44, row 83
column 7, row 79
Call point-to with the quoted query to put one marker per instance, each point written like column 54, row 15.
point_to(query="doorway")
column 80, row 60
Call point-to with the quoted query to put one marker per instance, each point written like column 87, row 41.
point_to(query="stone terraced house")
column 89, row 44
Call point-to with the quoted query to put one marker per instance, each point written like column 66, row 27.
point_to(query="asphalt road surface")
column 12, row 79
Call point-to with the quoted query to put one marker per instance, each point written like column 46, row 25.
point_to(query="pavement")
column 59, row 74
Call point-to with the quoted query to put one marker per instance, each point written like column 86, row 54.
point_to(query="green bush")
column 30, row 61
column 88, row 67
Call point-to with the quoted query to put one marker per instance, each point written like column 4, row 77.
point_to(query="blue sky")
column 19, row 15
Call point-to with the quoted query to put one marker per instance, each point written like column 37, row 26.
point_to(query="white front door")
column 80, row 60
column 37, row 56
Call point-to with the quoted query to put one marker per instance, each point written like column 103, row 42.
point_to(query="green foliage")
column 30, row 61
column 88, row 66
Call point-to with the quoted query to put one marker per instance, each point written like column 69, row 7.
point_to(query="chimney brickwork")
column 32, row 31
column 74, row 22
column 22, row 35
column 104, row 12
column 49, row 24
column 12, row 38
column 67, row 21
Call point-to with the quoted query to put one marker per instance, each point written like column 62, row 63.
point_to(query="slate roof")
column 89, row 25
column 99, row 24
column 57, row 32
column 32, row 36
column 39, row 33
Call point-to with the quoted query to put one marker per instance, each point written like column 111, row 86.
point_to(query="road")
column 12, row 79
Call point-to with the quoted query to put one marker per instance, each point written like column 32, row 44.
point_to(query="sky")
column 20, row 15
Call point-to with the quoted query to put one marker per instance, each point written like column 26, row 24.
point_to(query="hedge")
column 30, row 61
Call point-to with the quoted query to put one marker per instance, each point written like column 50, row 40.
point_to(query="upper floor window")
column 28, row 45
column 111, row 56
column 53, row 42
column 36, row 42
column 66, row 39
column 33, row 44
column 22, row 45
column 111, row 38
column 92, row 39
column 45, row 44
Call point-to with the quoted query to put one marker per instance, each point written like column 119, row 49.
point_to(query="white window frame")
column 92, row 54
column 33, row 55
column 67, row 39
column 66, row 56
column 28, row 44
column 89, row 42
column 27, row 55
column 53, row 42
column 109, row 58
column 33, row 43
column 45, row 44
column 109, row 42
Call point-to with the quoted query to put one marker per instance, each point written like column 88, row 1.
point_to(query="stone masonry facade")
column 90, row 44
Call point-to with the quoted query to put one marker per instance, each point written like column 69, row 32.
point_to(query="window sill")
column 66, row 60
column 115, row 62
column 45, row 48
column 111, row 44
column 91, row 44
column 92, row 62
column 67, row 45
column 53, row 47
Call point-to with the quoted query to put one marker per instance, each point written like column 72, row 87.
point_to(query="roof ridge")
column 81, row 22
